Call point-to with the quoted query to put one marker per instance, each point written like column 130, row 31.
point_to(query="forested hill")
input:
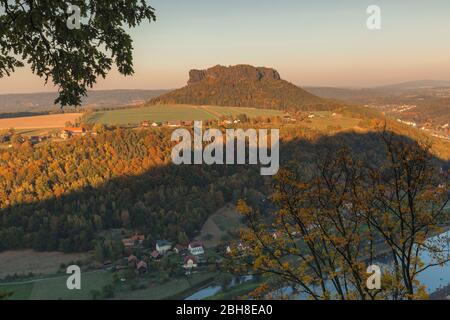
column 243, row 86
column 61, row 195
column 20, row 104
column 58, row 196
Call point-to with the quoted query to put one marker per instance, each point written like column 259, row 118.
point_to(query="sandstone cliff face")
column 242, row 86
column 233, row 74
column 196, row 76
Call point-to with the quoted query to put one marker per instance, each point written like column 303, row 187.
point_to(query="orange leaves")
column 260, row 292
column 332, row 218
column 243, row 208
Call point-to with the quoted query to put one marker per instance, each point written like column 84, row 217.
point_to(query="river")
column 433, row 278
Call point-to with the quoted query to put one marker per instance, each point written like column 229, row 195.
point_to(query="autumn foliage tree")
column 62, row 195
column 341, row 215
column 37, row 33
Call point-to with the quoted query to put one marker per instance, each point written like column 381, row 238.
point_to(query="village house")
column 162, row 246
column 142, row 267
column 240, row 248
column 132, row 261
column 445, row 170
column 187, row 123
column 156, row 124
column 5, row 138
column 196, row 248
column 35, row 139
column 277, row 235
column 174, row 124
column 66, row 133
column 139, row 238
column 190, row 262
column 156, row 255
column 134, row 241
column 145, row 124
column 288, row 119
column 179, row 248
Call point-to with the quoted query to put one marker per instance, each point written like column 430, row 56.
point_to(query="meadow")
column 219, row 224
column 39, row 122
column 324, row 120
column 22, row 262
column 162, row 113
column 55, row 288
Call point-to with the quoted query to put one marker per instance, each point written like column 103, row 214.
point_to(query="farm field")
column 175, row 288
column 219, row 224
column 25, row 261
column 324, row 119
column 39, row 122
column 36, row 132
column 163, row 113
column 56, row 288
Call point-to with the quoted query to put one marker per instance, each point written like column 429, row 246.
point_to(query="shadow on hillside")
column 169, row 202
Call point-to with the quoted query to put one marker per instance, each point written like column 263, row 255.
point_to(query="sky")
column 311, row 43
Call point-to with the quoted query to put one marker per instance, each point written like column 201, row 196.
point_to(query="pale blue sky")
column 320, row 42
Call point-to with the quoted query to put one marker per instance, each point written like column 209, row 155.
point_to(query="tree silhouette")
column 38, row 33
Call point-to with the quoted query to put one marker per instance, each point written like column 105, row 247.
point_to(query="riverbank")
column 441, row 294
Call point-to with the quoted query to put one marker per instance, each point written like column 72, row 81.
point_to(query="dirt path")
column 213, row 113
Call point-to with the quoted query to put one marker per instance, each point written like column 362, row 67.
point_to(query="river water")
column 433, row 278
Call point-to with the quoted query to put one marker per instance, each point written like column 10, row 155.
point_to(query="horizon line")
column 298, row 85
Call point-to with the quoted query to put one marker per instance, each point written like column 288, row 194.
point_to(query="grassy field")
column 324, row 119
column 176, row 288
column 39, row 122
column 224, row 220
column 37, row 132
column 26, row 261
column 174, row 112
column 56, row 289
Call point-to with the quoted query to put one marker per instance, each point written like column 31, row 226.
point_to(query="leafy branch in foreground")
column 336, row 219
column 36, row 33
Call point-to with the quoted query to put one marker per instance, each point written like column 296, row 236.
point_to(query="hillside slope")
column 11, row 104
column 243, row 86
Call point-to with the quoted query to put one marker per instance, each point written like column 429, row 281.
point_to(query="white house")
column 162, row 246
column 190, row 262
column 196, row 248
